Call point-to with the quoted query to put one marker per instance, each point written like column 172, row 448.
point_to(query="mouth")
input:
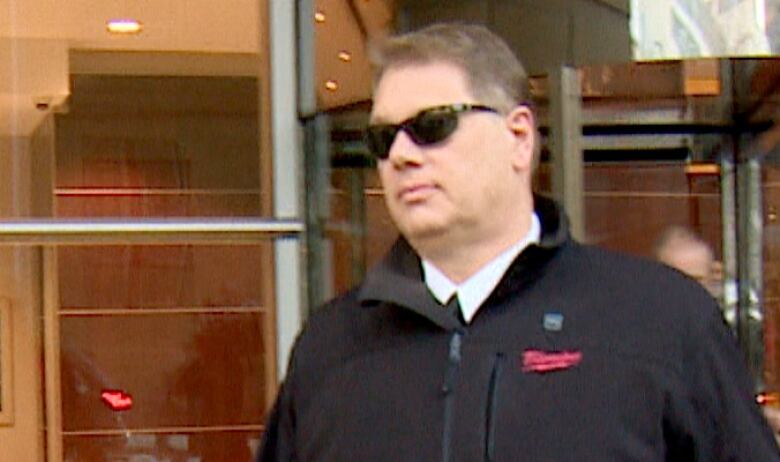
column 416, row 192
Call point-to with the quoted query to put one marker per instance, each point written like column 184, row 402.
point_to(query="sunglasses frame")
column 383, row 135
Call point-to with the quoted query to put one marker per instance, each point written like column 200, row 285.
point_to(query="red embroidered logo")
column 548, row 361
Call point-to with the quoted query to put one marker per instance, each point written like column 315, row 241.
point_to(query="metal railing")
column 159, row 231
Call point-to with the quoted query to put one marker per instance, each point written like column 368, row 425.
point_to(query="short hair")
column 494, row 74
column 676, row 235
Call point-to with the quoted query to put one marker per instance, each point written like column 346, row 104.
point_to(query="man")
column 681, row 248
column 487, row 333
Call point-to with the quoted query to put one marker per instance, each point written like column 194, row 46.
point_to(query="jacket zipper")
column 447, row 389
column 492, row 408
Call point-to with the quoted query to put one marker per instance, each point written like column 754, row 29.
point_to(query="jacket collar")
column 397, row 279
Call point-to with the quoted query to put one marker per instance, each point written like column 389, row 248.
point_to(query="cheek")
column 482, row 170
column 488, row 188
column 387, row 178
column 472, row 189
column 385, row 175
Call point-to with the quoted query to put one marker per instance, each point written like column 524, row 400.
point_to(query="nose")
column 404, row 152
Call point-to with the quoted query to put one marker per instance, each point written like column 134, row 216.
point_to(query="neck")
column 461, row 256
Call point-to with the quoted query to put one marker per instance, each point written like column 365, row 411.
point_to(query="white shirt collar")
column 476, row 289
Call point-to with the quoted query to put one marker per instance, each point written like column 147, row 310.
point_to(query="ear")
column 522, row 127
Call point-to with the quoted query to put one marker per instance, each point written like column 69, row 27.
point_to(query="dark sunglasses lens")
column 433, row 127
column 379, row 140
column 427, row 128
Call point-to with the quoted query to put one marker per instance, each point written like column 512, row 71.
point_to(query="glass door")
column 141, row 233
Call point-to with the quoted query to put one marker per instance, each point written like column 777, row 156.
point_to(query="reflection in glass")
column 182, row 370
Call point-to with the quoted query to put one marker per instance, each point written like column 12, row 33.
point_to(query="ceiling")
column 42, row 42
column 348, row 26
column 230, row 26
column 37, row 37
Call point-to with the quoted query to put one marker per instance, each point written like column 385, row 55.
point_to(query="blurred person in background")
column 683, row 249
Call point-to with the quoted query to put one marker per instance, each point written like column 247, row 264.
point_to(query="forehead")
column 405, row 90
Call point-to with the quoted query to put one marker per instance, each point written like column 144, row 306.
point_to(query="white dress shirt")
column 476, row 289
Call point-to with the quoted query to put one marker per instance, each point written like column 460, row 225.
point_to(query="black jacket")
column 579, row 354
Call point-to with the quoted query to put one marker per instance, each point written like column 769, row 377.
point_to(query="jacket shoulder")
column 637, row 278
column 635, row 305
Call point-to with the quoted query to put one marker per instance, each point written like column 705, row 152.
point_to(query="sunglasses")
column 429, row 126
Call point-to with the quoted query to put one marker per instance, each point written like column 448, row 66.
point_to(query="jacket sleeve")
column 726, row 423
column 278, row 438
column 278, row 442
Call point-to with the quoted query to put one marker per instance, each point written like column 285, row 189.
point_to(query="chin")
column 422, row 231
column 421, row 223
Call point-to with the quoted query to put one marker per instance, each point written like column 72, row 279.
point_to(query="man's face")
column 465, row 185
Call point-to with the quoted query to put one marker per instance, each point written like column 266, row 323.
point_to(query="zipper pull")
column 453, row 360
